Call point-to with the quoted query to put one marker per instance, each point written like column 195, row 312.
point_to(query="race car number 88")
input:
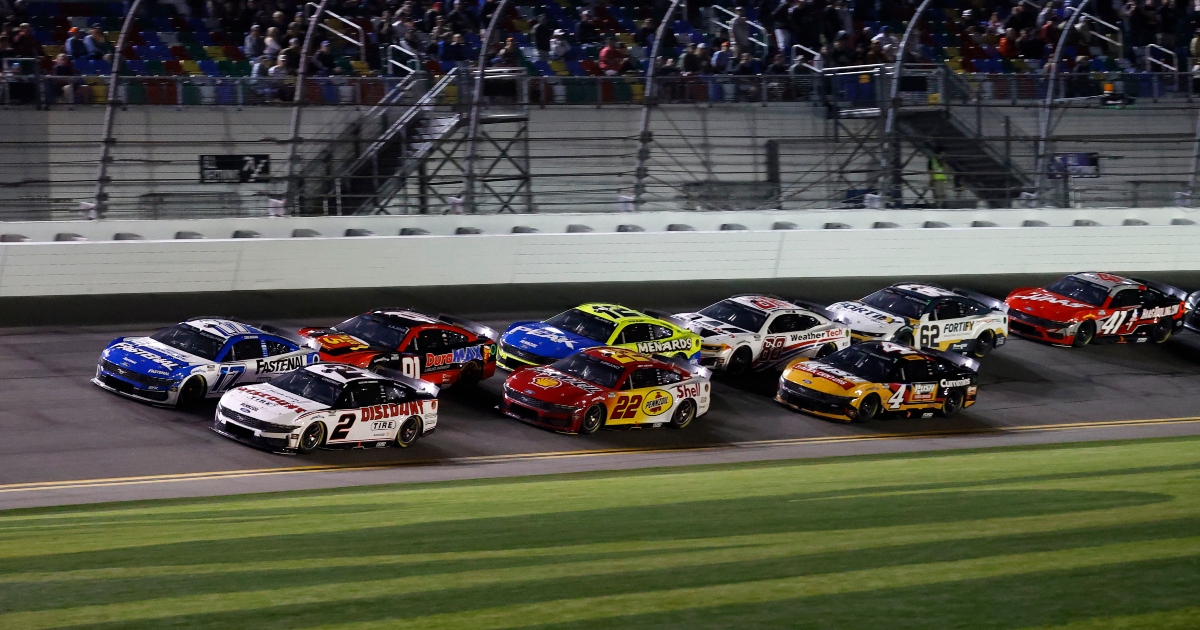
column 626, row 407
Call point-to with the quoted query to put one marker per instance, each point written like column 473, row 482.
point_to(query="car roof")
column 604, row 310
column 896, row 350
column 1106, row 280
column 621, row 356
column 764, row 303
column 405, row 317
column 342, row 373
column 920, row 289
column 221, row 327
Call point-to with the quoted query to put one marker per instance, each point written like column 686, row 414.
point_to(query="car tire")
column 953, row 403
column 869, row 408
column 593, row 419
column 470, row 375
column 312, row 438
column 1162, row 331
column 684, row 414
column 409, row 431
column 904, row 337
column 826, row 350
column 739, row 362
column 191, row 392
column 1085, row 334
column 984, row 344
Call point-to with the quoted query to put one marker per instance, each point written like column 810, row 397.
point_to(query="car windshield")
column 735, row 314
column 584, row 325
column 876, row 368
column 897, row 303
column 375, row 331
column 190, row 340
column 590, row 369
column 1077, row 289
column 305, row 384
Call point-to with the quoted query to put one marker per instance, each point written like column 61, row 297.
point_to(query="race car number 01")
column 410, row 367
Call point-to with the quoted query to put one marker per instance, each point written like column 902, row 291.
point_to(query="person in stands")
column 939, row 177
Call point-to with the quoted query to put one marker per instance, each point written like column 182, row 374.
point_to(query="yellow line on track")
column 489, row 459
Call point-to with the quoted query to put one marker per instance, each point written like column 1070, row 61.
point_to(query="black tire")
column 191, row 393
column 904, row 337
column 684, row 414
column 409, row 431
column 826, row 350
column 1085, row 334
column 869, row 408
column 739, row 362
column 312, row 438
column 470, row 376
column 954, row 403
column 984, row 344
column 592, row 420
column 1162, row 331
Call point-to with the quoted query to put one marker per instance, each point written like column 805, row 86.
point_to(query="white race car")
column 329, row 405
column 761, row 332
column 927, row 317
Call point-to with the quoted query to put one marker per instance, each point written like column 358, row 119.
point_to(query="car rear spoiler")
column 1165, row 289
column 416, row 384
column 960, row 360
column 986, row 300
column 665, row 316
column 466, row 324
column 290, row 335
column 816, row 308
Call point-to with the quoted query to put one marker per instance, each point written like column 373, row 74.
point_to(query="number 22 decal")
column 626, row 407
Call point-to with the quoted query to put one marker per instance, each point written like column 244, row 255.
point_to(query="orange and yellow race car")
column 880, row 378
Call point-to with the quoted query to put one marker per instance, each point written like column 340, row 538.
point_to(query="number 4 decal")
column 898, row 398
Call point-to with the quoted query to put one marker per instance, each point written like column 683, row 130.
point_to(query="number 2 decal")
column 626, row 407
column 343, row 427
column 895, row 401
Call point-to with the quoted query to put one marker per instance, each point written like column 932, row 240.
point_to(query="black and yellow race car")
column 880, row 378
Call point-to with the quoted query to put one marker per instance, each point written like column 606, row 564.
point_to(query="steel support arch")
column 293, row 200
column 891, row 143
column 1044, row 118
column 644, row 136
column 476, row 97
column 106, row 139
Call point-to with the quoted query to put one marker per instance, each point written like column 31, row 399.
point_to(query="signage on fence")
column 235, row 169
column 1075, row 165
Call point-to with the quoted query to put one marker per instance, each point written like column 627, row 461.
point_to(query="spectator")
column 509, row 56
column 280, row 69
column 611, row 59
column 454, row 49
column 63, row 68
column 778, row 66
column 841, row 54
column 292, row 54
column 97, row 45
column 586, row 32
column 261, row 67
column 888, row 44
column 739, row 29
column 1168, row 24
column 1020, row 18
column 541, row 34
column 323, row 62
column 254, row 44
column 486, row 12
column 702, row 56
column 645, row 35
column 1030, row 46
column 460, row 20
column 689, row 61
column 875, row 54
column 75, row 46
column 1194, row 48
column 939, row 176
column 722, row 60
column 560, row 47
column 1008, row 45
column 668, row 68
column 783, row 33
column 271, row 45
column 24, row 43
column 745, row 66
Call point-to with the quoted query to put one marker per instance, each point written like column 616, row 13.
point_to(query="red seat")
column 232, row 53
column 172, row 67
column 130, row 53
column 218, row 38
column 180, row 24
column 433, row 67
column 179, row 52
column 591, row 67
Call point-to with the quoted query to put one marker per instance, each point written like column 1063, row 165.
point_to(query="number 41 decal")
column 1113, row 324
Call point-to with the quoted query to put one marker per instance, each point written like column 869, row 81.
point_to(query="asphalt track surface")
column 67, row 441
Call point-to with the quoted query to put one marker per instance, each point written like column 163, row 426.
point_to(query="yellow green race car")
column 589, row 325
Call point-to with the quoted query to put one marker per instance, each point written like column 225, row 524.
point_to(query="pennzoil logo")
column 657, row 402
column 546, row 382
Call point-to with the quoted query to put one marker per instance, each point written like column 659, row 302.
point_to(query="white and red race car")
column 328, row 405
column 761, row 332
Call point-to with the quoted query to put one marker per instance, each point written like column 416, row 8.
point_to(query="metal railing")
column 754, row 26
column 392, row 66
column 360, row 43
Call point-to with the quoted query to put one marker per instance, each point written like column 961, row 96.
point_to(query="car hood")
column 267, row 402
column 859, row 316
column 1047, row 305
column 147, row 356
column 550, row 385
column 545, row 340
column 824, row 378
column 709, row 328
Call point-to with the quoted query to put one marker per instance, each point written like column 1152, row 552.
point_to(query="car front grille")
column 523, row 355
column 530, row 401
column 254, row 423
column 806, row 398
column 1034, row 320
column 130, row 375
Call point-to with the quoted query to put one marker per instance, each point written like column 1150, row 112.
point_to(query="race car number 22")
column 626, row 407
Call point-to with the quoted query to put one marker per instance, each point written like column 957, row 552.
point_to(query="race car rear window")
column 735, row 314
column 305, row 384
column 897, row 303
column 590, row 369
column 1075, row 288
column 584, row 325
column 375, row 331
column 190, row 340
column 869, row 366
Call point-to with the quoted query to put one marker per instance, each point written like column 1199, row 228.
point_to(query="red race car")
column 608, row 387
column 443, row 350
column 1085, row 307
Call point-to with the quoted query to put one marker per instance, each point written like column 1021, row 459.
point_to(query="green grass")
column 1073, row 537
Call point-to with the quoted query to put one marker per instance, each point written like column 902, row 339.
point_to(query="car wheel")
column 953, row 403
column 904, row 337
column 868, row 408
column 826, row 350
column 1162, row 331
column 409, row 432
column 312, row 438
column 739, row 362
column 191, row 393
column 470, row 375
column 1085, row 334
column 984, row 344
column 684, row 414
column 592, row 420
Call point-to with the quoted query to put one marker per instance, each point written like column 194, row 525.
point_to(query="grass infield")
column 1072, row 537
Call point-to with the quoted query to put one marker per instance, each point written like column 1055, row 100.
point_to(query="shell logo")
column 657, row 402
column 546, row 382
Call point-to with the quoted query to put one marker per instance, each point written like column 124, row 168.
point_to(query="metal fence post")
column 106, row 137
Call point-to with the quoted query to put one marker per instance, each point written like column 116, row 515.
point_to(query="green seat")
column 226, row 68
column 196, row 52
column 186, row 38
column 155, row 68
column 191, row 94
column 135, row 93
column 344, row 65
column 241, row 68
column 622, row 93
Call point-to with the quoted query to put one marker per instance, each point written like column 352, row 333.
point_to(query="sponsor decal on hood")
column 859, row 316
column 841, row 378
column 546, row 340
column 266, row 402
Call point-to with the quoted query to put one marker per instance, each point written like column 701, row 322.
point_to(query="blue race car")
column 201, row 358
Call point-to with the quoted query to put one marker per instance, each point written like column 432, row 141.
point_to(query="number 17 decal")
column 228, row 377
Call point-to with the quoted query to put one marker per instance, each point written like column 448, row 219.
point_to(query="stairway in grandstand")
column 977, row 165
